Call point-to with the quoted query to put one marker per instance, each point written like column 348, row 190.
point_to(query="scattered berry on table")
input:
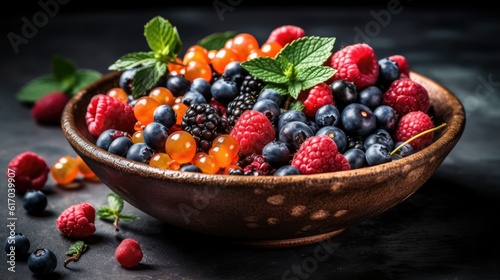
column 34, row 202
column 17, row 244
column 48, row 109
column 77, row 220
column 128, row 253
column 29, row 170
column 42, row 261
column 65, row 170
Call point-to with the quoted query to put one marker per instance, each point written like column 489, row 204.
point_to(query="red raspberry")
column 48, row 109
column 355, row 63
column 316, row 97
column 28, row 170
column 104, row 112
column 412, row 124
column 404, row 67
column 285, row 34
column 406, row 95
column 319, row 154
column 128, row 253
column 77, row 220
column 253, row 130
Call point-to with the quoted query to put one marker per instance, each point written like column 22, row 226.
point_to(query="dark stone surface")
column 447, row 230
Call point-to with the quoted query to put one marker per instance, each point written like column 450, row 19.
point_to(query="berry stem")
column 416, row 136
column 115, row 223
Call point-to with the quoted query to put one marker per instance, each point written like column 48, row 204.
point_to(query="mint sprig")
column 165, row 44
column 297, row 67
column 64, row 76
column 114, row 211
column 75, row 251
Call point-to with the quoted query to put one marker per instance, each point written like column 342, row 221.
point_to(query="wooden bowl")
column 265, row 211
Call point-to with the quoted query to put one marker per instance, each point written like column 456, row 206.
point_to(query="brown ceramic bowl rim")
column 450, row 133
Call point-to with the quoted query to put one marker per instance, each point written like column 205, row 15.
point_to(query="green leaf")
column 308, row 51
column 162, row 37
column 314, row 75
column 63, row 70
column 133, row 60
column 128, row 217
column 298, row 106
column 295, row 88
column 115, row 202
column 216, row 41
column 104, row 212
column 75, row 248
column 146, row 77
column 83, row 78
column 267, row 69
column 38, row 87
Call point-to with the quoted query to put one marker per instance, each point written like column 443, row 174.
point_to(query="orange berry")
column 144, row 108
column 222, row 58
column 198, row 69
column 118, row 93
column 270, row 49
column 65, row 170
column 179, row 109
column 180, row 146
column 84, row 169
column 163, row 95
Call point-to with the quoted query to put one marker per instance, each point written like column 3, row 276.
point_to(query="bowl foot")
column 289, row 243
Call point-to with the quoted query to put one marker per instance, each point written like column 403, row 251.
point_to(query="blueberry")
column 388, row 72
column 371, row 96
column 42, row 261
column 313, row 125
column 105, row 138
column 377, row 154
column 190, row 168
column 286, row 170
column 193, row 97
column 291, row 115
column 355, row 157
column 269, row 108
column 268, row 93
column 276, row 153
column 224, row 90
column 294, row 133
column 155, row 135
column 380, row 136
column 140, row 152
column 120, row 146
column 17, row 244
column 337, row 134
column 405, row 150
column 202, row 86
column 178, row 85
column 165, row 115
column 326, row 115
column 344, row 93
column 125, row 80
column 235, row 72
column 358, row 120
column 34, row 201
column 386, row 117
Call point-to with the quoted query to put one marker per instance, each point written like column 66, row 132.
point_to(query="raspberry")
column 253, row 130
column 319, row 154
column 77, row 220
column 48, row 109
column 105, row 112
column 128, row 253
column 316, row 97
column 285, row 34
column 28, row 170
column 403, row 66
column 355, row 63
column 412, row 124
column 406, row 95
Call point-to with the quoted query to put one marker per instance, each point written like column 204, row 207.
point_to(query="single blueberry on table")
column 18, row 243
column 34, row 201
column 42, row 261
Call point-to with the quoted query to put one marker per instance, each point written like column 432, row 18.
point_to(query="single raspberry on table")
column 128, row 253
column 406, row 95
column 319, row 154
column 285, row 34
column 253, row 130
column 48, row 109
column 316, row 97
column 402, row 62
column 412, row 124
column 28, row 170
column 105, row 112
column 77, row 220
column 355, row 63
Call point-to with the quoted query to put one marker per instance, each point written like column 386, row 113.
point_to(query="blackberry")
column 204, row 122
column 252, row 85
column 239, row 105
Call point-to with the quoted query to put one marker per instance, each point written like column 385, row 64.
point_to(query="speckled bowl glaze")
column 265, row 211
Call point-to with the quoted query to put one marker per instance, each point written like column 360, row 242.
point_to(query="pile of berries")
column 210, row 115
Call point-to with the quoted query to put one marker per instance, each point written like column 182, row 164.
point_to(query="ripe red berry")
column 285, row 34
column 253, row 130
column 77, row 220
column 128, row 253
column 48, row 109
column 406, row 95
column 28, row 170
column 355, row 63
column 403, row 66
column 316, row 97
column 319, row 154
column 105, row 112
column 412, row 124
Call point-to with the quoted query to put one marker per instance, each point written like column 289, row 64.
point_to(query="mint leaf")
column 114, row 210
column 37, row 88
column 162, row 38
column 128, row 217
column 146, row 77
column 75, row 251
column 298, row 106
column 267, row 69
column 307, row 51
column 104, row 212
column 314, row 75
column 294, row 88
column 63, row 69
column 216, row 41
column 115, row 202
column 133, row 60
column 83, row 77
